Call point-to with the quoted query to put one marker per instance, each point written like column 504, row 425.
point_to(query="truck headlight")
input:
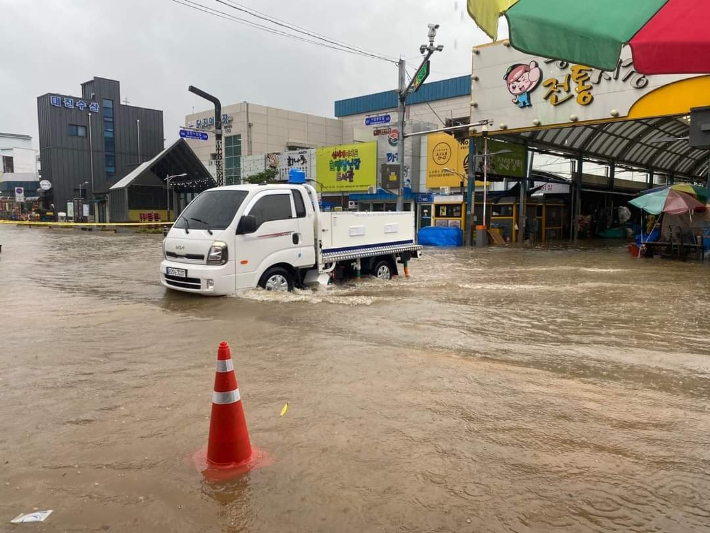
column 218, row 253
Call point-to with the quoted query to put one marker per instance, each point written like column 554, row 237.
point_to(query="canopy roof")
column 627, row 143
column 177, row 158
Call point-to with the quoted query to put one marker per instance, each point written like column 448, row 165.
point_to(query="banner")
column 298, row 159
column 349, row 167
column 446, row 154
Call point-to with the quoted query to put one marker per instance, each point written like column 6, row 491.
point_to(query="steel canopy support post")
column 612, row 174
column 578, row 197
column 523, row 196
column 471, row 189
column 217, row 130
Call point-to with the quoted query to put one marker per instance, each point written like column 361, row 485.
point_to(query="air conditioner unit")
column 352, row 205
column 372, row 190
column 445, row 190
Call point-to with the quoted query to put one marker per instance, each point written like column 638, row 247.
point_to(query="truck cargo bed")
column 349, row 235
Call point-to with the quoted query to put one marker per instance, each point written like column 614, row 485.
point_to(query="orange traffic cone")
column 229, row 450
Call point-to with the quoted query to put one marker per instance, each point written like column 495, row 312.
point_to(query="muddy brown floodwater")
column 552, row 389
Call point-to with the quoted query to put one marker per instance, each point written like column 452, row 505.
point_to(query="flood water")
column 547, row 389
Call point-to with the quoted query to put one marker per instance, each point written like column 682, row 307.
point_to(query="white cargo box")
column 348, row 235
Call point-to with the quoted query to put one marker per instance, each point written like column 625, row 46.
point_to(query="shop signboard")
column 70, row 209
column 514, row 90
column 45, row 185
column 19, row 194
column 446, row 152
column 348, row 167
column 208, row 122
column 425, row 198
column 544, row 188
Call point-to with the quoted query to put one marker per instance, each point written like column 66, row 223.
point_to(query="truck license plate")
column 177, row 272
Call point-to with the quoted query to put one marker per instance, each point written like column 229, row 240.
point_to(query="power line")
column 304, row 31
column 226, row 16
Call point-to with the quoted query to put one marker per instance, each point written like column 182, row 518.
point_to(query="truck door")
column 273, row 240
column 305, row 239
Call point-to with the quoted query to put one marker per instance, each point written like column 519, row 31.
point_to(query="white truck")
column 276, row 237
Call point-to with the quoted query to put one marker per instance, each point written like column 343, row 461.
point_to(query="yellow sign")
column 445, row 152
column 349, row 167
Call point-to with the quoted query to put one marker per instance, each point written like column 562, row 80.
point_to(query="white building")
column 18, row 164
column 251, row 129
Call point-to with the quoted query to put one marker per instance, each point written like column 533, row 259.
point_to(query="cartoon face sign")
column 521, row 81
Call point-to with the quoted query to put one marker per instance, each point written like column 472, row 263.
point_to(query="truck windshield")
column 211, row 210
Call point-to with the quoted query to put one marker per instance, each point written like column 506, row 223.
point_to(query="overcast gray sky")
column 156, row 48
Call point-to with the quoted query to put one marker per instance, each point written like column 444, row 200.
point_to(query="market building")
column 609, row 128
column 87, row 142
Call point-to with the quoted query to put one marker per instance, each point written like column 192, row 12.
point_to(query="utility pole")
column 217, row 130
column 400, row 120
column 405, row 90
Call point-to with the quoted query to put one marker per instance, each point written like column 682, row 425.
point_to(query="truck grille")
column 185, row 258
column 183, row 283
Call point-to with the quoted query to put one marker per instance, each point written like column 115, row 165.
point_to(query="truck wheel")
column 276, row 279
column 382, row 270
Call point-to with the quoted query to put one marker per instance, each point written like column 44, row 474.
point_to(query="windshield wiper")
column 202, row 222
column 187, row 226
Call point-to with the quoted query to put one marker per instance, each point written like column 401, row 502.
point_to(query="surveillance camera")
column 422, row 49
column 440, row 48
column 433, row 26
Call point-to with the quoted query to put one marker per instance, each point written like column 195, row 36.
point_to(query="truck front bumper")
column 217, row 280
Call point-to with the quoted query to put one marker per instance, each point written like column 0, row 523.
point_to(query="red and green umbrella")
column 667, row 201
column 666, row 36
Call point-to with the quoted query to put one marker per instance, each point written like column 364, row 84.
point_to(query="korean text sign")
column 349, row 167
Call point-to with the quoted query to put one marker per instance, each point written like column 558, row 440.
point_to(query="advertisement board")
column 348, row 167
column 446, row 152
column 514, row 90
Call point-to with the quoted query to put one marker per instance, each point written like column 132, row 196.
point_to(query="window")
column 502, row 211
column 77, row 131
column 212, row 209
column 8, row 164
column 109, row 143
column 232, row 159
column 272, row 207
column 300, row 206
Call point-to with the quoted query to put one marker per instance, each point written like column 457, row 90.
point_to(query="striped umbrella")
column 667, row 201
column 696, row 191
column 666, row 36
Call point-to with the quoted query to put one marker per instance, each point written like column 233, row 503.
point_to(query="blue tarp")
column 439, row 236
column 655, row 235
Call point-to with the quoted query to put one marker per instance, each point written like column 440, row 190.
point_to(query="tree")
column 267, row 176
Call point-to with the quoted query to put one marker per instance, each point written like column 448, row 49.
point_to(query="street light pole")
column 217, row 130
column 168, row 179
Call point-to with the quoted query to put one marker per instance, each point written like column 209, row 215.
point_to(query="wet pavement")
column 552, row 389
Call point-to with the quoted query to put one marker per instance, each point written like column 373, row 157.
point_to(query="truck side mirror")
column 247, row 224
